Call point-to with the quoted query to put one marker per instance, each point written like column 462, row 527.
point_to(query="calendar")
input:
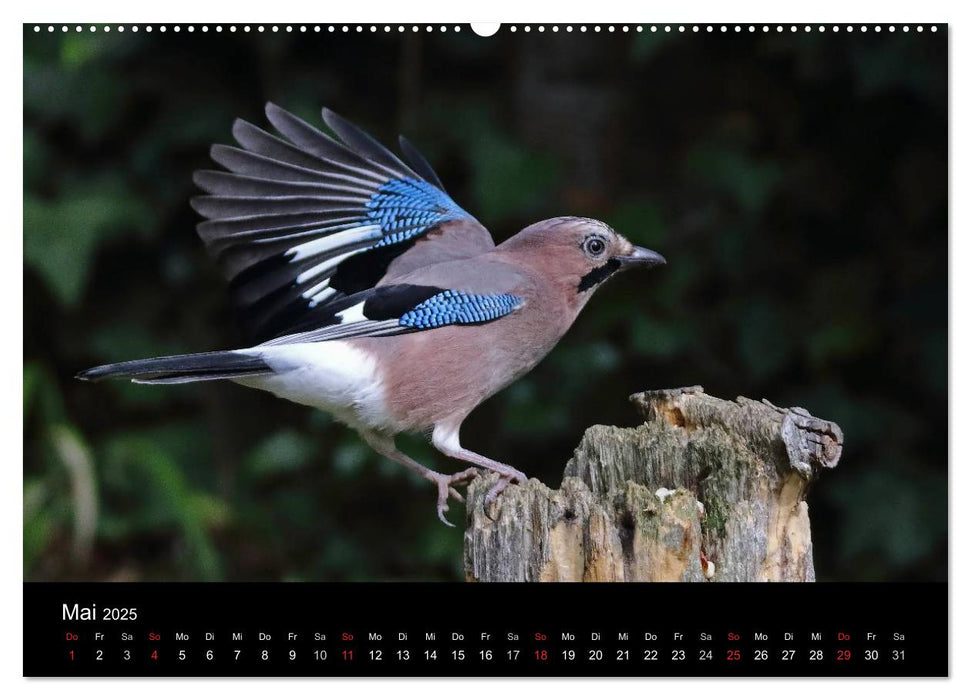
column 737, row 630
column 514, row 350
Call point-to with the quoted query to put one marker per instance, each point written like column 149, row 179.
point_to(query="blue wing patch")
column 452, row 307
column 405, row 208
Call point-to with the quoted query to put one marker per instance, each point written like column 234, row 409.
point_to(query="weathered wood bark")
column 704, row 489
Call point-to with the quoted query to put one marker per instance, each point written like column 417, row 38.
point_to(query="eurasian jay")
column 373, row 296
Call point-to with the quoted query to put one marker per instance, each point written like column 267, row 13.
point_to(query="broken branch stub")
column 704, row 489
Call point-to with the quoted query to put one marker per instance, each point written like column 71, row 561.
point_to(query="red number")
column 541, row 655
column 842, row 654
column 734, row 655
column 71, row 652
column 154, row 654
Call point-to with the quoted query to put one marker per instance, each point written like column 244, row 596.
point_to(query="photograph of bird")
column 370, row 294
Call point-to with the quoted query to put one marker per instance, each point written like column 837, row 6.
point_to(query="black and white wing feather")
column 404, row 308
column 303, row 221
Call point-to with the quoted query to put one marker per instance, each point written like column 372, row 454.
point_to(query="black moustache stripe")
column 598, row 274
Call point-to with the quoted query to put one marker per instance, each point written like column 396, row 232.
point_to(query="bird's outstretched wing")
column 404, row 308
column 300, row 223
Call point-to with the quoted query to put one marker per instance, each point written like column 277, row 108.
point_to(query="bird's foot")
column 446, row 487
column 507, row 475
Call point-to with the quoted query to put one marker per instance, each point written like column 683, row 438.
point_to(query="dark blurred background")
column 797, row 184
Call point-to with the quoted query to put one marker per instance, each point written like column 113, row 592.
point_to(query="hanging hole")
column 485, row 29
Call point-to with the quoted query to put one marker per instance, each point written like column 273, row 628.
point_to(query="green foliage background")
column 796, row 183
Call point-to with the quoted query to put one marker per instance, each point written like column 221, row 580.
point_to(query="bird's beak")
column 641, row 257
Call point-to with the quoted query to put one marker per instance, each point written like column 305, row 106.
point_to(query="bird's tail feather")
column 178, row 369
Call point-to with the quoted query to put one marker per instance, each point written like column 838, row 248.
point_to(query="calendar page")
column 463, row 350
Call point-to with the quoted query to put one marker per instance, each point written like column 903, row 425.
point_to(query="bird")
column 367, row 292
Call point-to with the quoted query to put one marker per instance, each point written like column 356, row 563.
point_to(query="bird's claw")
column 511, row 476
column 446, row 484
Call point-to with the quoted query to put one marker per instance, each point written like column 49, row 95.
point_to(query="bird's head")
column 580, row 254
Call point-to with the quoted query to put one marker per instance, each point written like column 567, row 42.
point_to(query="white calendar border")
column 437, row 11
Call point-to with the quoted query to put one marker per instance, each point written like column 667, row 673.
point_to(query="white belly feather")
column 333, row 376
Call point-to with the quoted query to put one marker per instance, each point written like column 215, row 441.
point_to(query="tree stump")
column 705, row 489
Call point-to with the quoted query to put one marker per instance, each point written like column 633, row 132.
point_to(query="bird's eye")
column 594, row 246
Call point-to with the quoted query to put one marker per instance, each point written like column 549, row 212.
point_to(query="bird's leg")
column 446, row 483
column 445, row 438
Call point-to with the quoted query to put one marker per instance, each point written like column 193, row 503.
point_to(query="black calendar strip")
column 415, row 629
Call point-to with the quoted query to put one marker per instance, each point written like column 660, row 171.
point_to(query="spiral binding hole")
column 512, row 28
